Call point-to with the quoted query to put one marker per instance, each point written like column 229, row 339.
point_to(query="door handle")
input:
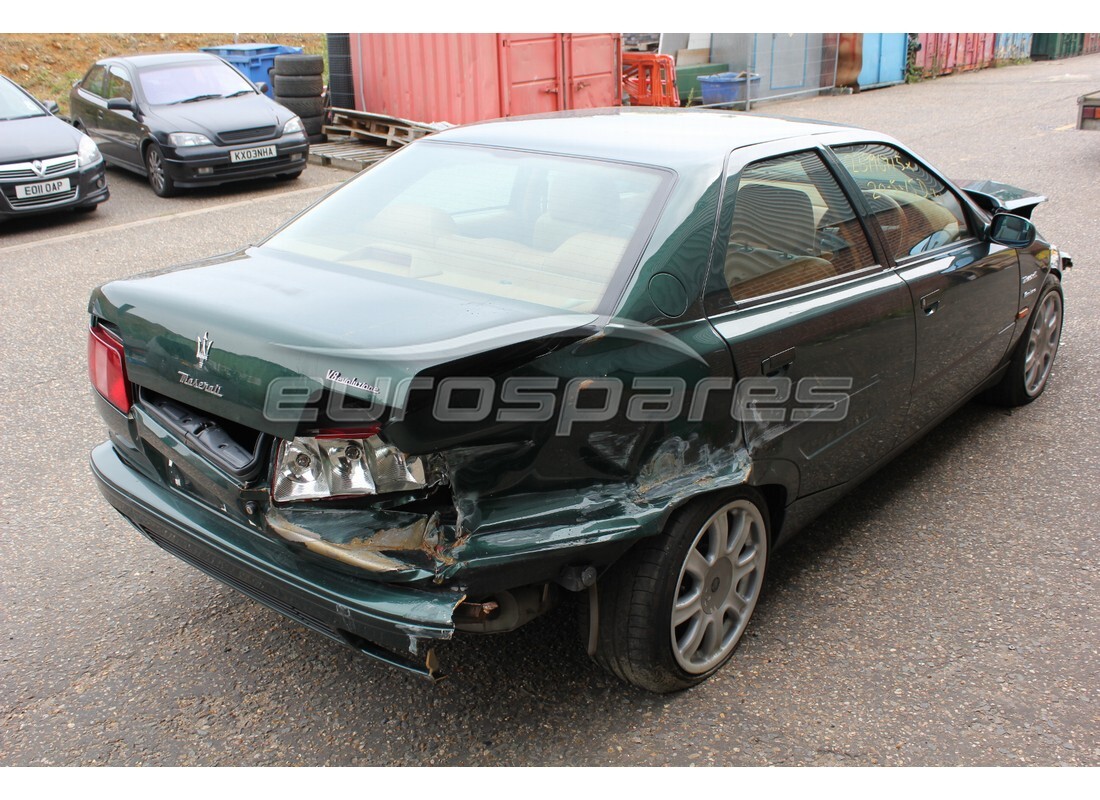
column 780, row 362
column 930, row 302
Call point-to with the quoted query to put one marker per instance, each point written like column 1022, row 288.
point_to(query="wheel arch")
column 146, row 142
column 775, row 495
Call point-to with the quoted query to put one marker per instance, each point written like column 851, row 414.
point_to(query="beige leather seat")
column 575, row 204
column 772, row 242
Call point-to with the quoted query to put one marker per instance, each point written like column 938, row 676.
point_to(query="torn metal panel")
column 401, row 543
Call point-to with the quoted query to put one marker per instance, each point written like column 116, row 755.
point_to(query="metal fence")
column 773, row 65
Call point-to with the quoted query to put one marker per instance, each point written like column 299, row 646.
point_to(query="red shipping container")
column 466, row 77
column 941, row 53
column 1091, row 44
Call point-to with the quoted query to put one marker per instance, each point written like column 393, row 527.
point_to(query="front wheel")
column 673, row 610
column 156, row 171
column 1029, row 371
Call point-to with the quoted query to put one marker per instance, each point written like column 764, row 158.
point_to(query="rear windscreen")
column 544, row 229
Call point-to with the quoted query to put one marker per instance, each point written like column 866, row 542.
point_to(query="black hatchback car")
column 45, row 165
column 186, row 120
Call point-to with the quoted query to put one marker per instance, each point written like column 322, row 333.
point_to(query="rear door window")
column 792, row 226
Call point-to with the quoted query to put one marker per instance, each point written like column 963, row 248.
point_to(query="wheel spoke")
column 689, row 645
column 735, row 603
column 741, row 534
column 687, row 607
column 712, row 637
column 719, row 536
column 744, row 568
column 696, row 565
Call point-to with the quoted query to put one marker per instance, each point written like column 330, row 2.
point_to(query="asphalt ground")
column 943, row 614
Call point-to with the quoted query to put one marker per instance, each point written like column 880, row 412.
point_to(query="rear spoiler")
column 993, row 197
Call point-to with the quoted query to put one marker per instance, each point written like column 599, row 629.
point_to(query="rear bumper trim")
column 393, row 624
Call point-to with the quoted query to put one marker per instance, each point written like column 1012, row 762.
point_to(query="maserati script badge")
column 202, row 350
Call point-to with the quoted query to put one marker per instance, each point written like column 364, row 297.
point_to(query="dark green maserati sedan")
column 623, row 354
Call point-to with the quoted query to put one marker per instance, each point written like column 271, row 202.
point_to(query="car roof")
column 158, row 59
column 663, row 136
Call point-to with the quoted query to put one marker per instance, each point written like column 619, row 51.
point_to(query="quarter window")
column 95, row 81
column 792, row 226
column 915, row 210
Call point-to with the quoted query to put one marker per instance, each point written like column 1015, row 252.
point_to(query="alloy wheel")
column 1042, row 343
column 718, row 587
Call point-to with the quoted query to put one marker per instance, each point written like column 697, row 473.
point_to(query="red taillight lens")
column 107, row 368
column 1089, row 112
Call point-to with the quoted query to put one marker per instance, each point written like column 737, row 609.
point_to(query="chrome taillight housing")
column 345, row 464
column 107, row 368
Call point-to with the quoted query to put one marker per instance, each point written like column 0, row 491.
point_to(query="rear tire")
column 1029, row 371
column 673, row 610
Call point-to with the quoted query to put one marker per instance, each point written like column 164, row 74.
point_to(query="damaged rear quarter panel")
column 532, row 498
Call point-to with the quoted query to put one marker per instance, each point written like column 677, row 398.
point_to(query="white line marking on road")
column 137, row 223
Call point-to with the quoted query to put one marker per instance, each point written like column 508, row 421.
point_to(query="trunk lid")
column 232, row 334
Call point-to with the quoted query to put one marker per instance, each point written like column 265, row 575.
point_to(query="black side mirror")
column 52, row 107
column 1011, row 231
column 119, row 104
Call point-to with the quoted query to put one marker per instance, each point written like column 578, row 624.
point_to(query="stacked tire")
column 299, row 84
column 341, row 84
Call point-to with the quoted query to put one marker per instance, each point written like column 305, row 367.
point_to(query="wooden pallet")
column 344, row 152
column 362, row 125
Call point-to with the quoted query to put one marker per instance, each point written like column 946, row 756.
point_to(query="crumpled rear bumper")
column 392, row 623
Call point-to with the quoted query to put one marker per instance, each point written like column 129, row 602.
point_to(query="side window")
column 792, row 225
column 119, row 85
column 916, row 212
column 95, row 80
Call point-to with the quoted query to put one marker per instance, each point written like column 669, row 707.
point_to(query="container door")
column 872, row 52
column 531, row 73
column 884, row 57
column 593, row 68
column 786, row 57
